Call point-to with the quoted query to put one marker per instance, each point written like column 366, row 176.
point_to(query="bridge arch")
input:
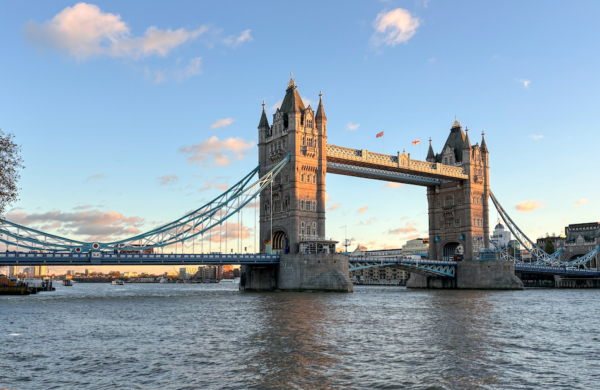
column 450, row 248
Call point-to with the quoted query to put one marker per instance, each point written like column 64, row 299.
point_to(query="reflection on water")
column 212, row 336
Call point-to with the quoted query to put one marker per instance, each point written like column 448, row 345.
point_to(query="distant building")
column 377, row 273
column 87, row 272
column 358, row 252
column 43, row 270
column 581, row 238
column 130, row 274
column 13, row 270
column 416, row 246
column 501, row 236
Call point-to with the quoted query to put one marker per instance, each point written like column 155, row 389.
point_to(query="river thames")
column 178, row 336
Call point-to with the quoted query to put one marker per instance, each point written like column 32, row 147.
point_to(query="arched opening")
column 453, row 251
column 280, row 242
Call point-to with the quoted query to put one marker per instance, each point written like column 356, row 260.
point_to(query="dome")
column 500, row 226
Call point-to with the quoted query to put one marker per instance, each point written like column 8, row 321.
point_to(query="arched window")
column 303, row 141
column 302, row 206
column 314, row 204
column 314, row 179
column 285, row 120
column 302, row 178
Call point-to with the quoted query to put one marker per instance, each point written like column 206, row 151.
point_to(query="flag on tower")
column 379, row 135
column 416, row 142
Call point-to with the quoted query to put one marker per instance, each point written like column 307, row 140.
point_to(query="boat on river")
column 118, row 282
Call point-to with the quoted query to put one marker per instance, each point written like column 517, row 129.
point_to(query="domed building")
column 501, row 237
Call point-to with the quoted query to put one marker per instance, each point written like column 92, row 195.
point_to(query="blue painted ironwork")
column 56, row 259
column 187, row 227
column 535, row 251
column 556, row 270
column 423, row 267
column 380, row 174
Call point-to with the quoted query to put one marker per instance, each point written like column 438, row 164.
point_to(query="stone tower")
column 459, row 211
column 295, row 208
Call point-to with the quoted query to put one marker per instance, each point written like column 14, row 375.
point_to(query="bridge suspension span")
column 188, row 227
column 542, row 258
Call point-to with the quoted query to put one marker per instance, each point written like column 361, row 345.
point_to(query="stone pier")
column 474, row 275
column 300, row 272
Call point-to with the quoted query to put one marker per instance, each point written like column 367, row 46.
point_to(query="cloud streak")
column 528, row 205
column 392, row 185
column 215, row 152
column 580, row 202
column 362, row 209
column 95, row 224
column 222, row 123
column 95, row 177
column 334, row 206
column 525, row 83
column 167, row 180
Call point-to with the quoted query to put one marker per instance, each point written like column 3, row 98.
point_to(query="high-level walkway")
column 400, row 168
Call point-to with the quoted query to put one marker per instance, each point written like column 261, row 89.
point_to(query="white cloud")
column 394, row 27
column 85, row 31
column 192, row 69
column 536, row 137
column 334, row 206
column 213, row 151
column 222, row 123
column 236, row 41
column 408, row 228
column 527, row 206
column 208, row 184
column 275, row 106
column 97, row 225
column 167, row 180
column 524, row 82
column 392, row 185
column 352, row 126
column 580, row 202
column 307, row 102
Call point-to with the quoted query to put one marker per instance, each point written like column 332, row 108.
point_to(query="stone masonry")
column 297, row 201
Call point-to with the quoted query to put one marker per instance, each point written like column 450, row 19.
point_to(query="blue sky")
column 104, row 97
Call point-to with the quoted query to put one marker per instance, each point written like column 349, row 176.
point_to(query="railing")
column 399, row 161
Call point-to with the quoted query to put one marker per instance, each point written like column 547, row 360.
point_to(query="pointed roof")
column 455, row 140
column 430, row 153
column 467, row 143
column 483, row 145
column 292, row 101
column 321, row 109
column 264, row 122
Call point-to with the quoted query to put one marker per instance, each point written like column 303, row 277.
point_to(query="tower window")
column 302, row 178
column 309, row 123
column 314, row 179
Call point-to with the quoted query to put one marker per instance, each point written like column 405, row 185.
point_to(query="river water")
column 177, row 336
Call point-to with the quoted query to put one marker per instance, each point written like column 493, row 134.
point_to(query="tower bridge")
column 294, row 158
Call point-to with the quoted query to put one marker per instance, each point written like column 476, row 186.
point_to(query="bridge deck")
column 22, row 259
column 345, row 161
column 544, row 269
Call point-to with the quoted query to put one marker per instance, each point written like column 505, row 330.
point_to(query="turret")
column 466, row 149
column 321, row 118
column 430, row 154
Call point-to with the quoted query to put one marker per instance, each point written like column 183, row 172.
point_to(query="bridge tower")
column 295, row 208
column 459, row 211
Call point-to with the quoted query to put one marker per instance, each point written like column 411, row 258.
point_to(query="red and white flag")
column 416, row 142
column 379, row 135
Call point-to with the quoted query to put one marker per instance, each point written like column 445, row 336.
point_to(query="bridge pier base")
column 473, row 275
column 422, row 281
column 324, row 272
column 258, row 277
column 487, row 275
